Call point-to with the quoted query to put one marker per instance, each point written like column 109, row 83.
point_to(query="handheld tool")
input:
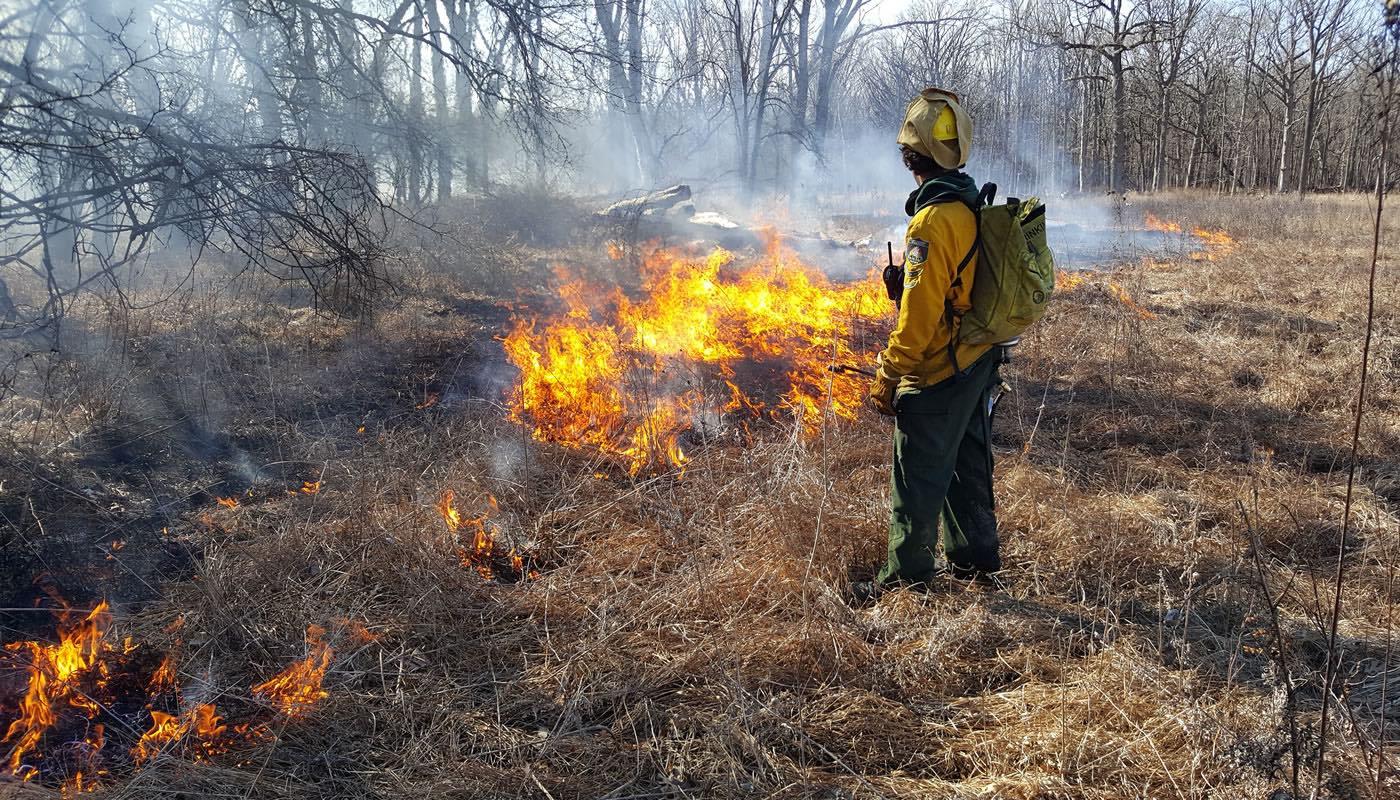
column 840, row 368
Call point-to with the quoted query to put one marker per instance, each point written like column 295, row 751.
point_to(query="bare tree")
column 1326, row 23
column 1282, row 67
column 1111, row 30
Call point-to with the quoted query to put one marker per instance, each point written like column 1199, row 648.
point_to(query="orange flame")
column 310, row 487
column 1066, row 281
column 484, row 553
column 165, row 729
column 1155, row 223
column 1214, row 238
column 449, row 512
column 210, row 731
column 78, row 673
column 228, row 502
column 1217, row 243
column 54, row 671
column 206, row 722
column 629, row 376
column 164, row 678
column 87, row 778
column 81, row 782
column 357, row 631
column 1122, row 296
column 296, row 689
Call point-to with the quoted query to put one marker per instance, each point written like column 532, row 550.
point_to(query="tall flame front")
column 705, row 342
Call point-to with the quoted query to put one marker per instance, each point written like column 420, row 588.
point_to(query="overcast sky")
column 887, row 10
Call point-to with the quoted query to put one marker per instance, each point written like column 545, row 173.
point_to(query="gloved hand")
column 882, row 392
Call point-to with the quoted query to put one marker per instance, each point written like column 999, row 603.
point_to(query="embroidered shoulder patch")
column 915, row 252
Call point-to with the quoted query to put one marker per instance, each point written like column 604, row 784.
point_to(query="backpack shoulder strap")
column 967, row 259
column 971, row 251
column 984, row 198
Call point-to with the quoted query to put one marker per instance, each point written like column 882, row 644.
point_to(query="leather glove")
column 882, row 392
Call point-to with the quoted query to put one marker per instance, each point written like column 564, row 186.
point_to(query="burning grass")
column 707, row 346
column 88, row 686
column 686, row 635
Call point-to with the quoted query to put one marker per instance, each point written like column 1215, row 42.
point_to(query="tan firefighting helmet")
column 936, row 126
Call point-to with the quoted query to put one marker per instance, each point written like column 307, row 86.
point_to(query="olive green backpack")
column 1015, row 270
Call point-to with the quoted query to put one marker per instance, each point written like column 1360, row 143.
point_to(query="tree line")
column 289, row 132
column 1230, row 95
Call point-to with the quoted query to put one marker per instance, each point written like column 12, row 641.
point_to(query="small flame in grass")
column 483, row 553
column 210, row 730
column 449, row 512
column 168, row 730
column 165, row 729
column 164, row 679
column 85, row 673
column 80, row 783
column 1122, row 296
column 356, row 630
column 228, row 502
column 1214, row 238
column 1217, row 243
column 1155, row 223
column 428, row 402
column 1067, row 281
column 296, row 689
column 87, row 778
column 54, row 671
column 308, row 487
column 207, row 722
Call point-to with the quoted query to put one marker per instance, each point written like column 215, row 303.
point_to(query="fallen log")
column 655, row 201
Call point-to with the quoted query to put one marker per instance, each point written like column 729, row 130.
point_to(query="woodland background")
column 293, row 133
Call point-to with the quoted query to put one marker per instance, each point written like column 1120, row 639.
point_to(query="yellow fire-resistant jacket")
column 938, row 238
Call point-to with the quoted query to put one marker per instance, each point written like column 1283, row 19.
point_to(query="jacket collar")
column 953, row 186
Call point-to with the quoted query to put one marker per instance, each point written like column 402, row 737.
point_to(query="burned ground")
column 687, row 634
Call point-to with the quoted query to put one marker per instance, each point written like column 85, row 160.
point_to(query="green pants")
column 943, row 471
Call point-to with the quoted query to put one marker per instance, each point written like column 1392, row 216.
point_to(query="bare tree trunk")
column 1285, row 153
column 802, row 80
column 1309, row 133
column 768, row 43
column 470, row 145
column 415, row 114
column 1116, row 129
column 636, row 122
column 442, row 114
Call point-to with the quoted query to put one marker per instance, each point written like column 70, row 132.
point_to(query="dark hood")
column 943, row 189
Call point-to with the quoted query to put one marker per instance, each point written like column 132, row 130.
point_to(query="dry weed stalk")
column 1386, row 71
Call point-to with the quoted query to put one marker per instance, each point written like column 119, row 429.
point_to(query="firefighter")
column 937, row 389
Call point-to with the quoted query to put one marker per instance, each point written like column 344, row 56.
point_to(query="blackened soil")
column 105, row 517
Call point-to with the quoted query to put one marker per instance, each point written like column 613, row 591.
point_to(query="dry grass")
column 688, row 636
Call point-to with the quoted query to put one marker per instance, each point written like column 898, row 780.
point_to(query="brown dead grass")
column 688, row 636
